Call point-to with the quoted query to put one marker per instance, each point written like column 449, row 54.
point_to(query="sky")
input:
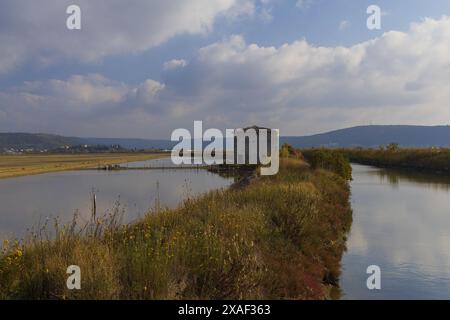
column 143, row 68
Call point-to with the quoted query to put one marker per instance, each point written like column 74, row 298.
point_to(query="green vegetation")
column 332, row 160
column 433, row 160
column 281, row 237
column 23, row 165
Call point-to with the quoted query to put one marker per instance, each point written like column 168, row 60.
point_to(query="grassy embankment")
column 23, row 165
column 280, row 237
column 428, row 160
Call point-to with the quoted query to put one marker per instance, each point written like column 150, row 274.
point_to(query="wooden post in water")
column 94, row 205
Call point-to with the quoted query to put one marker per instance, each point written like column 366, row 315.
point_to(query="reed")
column 431, row 159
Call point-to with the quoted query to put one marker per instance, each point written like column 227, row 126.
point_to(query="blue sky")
column 304, row 68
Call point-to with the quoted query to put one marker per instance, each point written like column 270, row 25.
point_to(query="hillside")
column 34, row 141
column 130, row 143
column 363, row 136
column 373, row 136
column 24, row 141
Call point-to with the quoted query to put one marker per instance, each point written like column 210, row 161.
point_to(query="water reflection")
column 402, row 224
column 167, row 162
column 395, row 177
column 27, row 200
column 160, row 163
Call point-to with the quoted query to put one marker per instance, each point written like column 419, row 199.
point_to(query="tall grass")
column 436, row 160
column 281, row 237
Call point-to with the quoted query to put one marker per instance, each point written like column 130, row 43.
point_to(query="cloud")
column 344, row 24
column 143, row 95
column 175, row 64
column 67, row 106
column 303, row 4
column 400, row 77
column 265, row 14
column 36, row 30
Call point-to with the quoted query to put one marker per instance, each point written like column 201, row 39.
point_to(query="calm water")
column 160, row 163
column 402, row 224
column 26, row 201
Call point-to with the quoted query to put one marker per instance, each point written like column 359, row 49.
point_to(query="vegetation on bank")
column 281, row 237
column 23, row 165
column 433, row 160
column 328, row 159
column 288, row 151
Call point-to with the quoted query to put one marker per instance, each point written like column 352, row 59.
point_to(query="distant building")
column 248, row 136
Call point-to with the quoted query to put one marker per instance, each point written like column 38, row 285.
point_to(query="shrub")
column 288, row 151
column 331, row 160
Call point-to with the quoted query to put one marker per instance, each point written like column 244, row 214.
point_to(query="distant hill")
column 34, row 141
column 131, row 143
column 363, row 136
column 25, row 141
column 374, row 136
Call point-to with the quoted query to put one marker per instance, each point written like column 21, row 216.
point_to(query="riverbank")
column 426, row 160
column 280, row 237
column 24, row 165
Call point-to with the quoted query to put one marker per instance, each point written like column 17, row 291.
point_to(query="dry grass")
column 23, row 165
column 281, row 237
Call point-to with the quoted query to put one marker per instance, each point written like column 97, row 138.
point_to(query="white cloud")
column 175, row 64
column 69, row 105
column 344, row 24
column 77, row 95
column 145, row 94
column 400, row 77
column 256, row 9
column 36, row 30
column 303, row 4
column 265, row 14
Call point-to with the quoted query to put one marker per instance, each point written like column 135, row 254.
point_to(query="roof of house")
column 257, row 128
